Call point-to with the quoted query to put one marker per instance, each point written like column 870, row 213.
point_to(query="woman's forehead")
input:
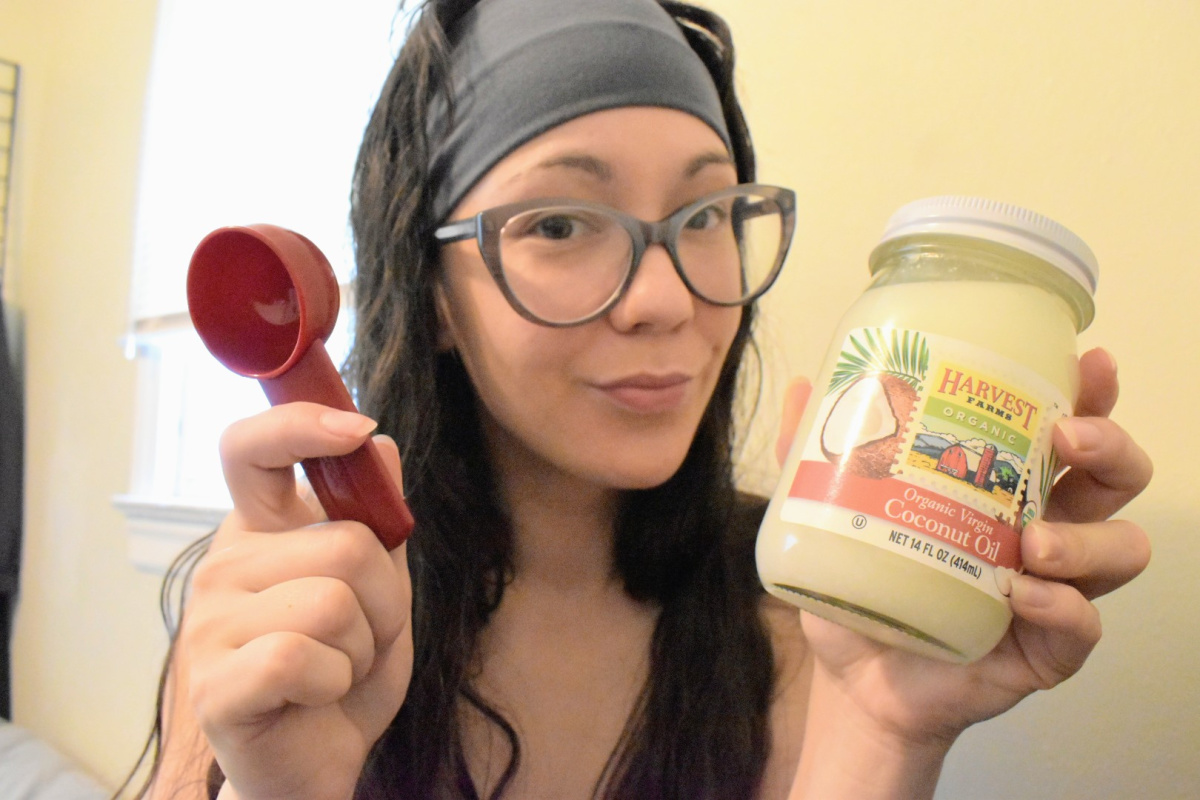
column 614, row 145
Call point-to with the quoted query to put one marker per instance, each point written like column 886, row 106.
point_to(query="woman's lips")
column 647, row 394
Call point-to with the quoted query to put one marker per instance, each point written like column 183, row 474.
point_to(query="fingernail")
column 1080, row 434
column 347, row 424
column 1031, row 591
column 1004, row 580
column 1049, row 545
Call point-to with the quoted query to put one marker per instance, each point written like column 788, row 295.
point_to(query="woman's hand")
column 296, row 646
column 911, row 709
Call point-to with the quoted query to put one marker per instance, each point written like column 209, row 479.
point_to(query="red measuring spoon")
column 264, row 300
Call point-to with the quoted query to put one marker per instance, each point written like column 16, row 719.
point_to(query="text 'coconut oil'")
column 926, row 446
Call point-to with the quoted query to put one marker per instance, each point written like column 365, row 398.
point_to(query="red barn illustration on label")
column 953, row 462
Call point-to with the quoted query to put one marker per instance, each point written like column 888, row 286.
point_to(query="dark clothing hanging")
column 12, row 441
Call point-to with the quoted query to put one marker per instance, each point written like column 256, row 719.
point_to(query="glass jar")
column 926, row 447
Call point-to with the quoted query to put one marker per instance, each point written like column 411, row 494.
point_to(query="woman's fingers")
column 322, row 609
column 1055, row 627
column 1098, row 386
column 1107, row 470
column 795, row 399
column 258, row 455
column 266, row 675
column 297, row 639
column 271, row 635
column 390, row 453
column 345, row 551
column 1095, row 558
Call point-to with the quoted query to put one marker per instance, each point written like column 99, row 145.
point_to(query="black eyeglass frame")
column 485, row 228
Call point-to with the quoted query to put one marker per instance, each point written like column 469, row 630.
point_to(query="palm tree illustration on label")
column 877, row 380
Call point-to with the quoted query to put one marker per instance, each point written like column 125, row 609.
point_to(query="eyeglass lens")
column 564, row 263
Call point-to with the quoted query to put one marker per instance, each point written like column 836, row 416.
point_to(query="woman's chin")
column 647, row 476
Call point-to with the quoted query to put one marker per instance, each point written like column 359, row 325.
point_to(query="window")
column 254, row 112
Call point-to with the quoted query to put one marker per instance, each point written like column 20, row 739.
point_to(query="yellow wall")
column 1086, row 111
column 87, row 634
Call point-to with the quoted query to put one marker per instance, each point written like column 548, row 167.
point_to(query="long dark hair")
column 699, row 729
column 700, row 726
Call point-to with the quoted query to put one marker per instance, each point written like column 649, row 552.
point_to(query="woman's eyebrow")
column 714, row 158
column 586, row 163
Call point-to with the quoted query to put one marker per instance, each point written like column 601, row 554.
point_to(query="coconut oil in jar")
column 926, row 447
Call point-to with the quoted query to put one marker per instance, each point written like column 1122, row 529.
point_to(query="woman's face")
column 614, row 402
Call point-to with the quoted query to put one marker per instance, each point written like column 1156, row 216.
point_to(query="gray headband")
column 521, row 67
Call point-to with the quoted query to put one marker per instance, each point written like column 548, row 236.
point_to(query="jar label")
column 930, row 447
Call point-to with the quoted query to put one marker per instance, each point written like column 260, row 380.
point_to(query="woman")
column 577, row 613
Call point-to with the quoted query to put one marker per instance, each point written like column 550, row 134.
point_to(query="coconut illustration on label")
column 865, row 428
column 875, row 388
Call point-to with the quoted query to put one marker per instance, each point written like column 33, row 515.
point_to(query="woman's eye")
column 557, row 227
column 547, row 226
column 706, row 218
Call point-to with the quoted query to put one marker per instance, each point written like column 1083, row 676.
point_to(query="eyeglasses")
column 562, row 262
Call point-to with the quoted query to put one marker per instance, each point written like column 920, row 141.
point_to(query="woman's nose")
column 657, row 298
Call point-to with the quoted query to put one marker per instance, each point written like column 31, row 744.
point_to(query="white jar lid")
column 1002, row 223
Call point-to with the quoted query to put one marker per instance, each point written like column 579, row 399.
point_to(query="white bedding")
column 32, row 770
